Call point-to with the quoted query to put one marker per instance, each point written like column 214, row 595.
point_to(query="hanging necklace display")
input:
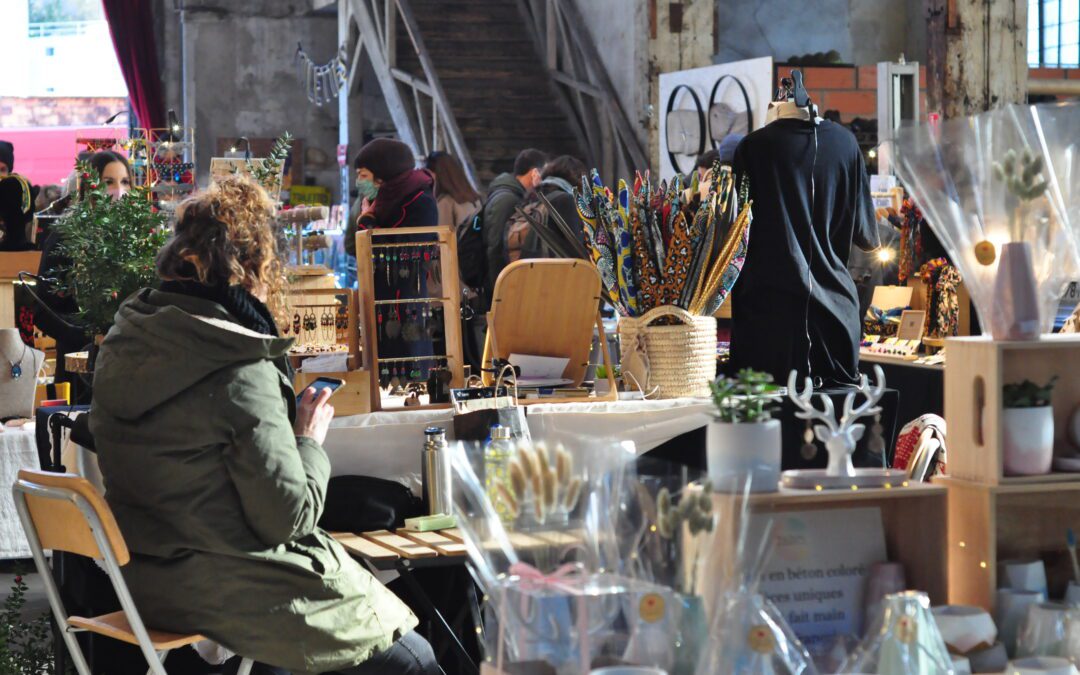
column 16, row 367
column 322, row 83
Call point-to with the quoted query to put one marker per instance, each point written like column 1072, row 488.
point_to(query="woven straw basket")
column 682, row 356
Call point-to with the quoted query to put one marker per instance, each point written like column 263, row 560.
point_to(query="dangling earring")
column 876, row 444
column 809, row 448
column 296, row 323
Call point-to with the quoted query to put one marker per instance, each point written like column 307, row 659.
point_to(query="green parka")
column 218, row 500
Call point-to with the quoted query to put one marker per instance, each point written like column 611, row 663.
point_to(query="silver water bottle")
column 435, row 472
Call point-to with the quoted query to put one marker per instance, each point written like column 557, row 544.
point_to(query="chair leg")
column 245, row 667
column 158, row 667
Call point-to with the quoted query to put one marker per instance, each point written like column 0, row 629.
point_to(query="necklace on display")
column 16, row 367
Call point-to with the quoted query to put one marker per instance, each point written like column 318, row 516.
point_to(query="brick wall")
column 851, row 90
column 57, row 111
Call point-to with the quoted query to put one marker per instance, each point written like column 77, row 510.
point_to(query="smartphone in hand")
column 333, row 384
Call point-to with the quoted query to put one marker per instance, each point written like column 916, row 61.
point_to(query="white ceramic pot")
column 737, row 451
column 1016, row 298
column 1028, row 440
column 965, row 629
column 1041, row 665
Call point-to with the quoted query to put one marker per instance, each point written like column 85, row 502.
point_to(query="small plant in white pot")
column 743, row 440
column 1027, row 425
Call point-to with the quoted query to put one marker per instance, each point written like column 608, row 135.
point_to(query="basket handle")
column 667, row 310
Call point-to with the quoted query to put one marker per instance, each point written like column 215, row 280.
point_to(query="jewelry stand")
column 839, row 438
column 19, row 366
column 374, row 251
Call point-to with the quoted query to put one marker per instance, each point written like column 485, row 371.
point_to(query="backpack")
column 521, row 241
column 471, row 250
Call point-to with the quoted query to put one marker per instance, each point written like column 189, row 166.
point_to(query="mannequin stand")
column 17, row 393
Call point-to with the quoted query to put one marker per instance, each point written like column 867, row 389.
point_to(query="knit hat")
column 727, row 147
column 386, row 158
column 7, row 155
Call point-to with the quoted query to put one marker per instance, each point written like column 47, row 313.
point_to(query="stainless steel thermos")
column 435, row 472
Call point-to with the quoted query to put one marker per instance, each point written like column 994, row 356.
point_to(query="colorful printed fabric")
column 948, row 306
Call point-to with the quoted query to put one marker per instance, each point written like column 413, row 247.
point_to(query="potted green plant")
column 111, row 245
column 600, row 382
column 1027, row 425
column 743, row 440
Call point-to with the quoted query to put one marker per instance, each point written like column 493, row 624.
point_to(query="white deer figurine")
column 839, row 438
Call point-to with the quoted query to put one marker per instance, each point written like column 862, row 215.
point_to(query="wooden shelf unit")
column 978, row 369
column 991, row 523
column 913, row 517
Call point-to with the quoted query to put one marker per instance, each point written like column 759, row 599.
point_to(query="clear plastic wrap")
column 1004, row 176
column 903, row 640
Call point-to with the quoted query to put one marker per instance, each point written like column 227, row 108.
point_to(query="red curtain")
column 131, row 23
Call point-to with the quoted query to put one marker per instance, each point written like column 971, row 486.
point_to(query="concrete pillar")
column 977, row 55
column 681, row 36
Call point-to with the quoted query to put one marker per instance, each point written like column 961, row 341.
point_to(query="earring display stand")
column 353, row 397
column 403, row 306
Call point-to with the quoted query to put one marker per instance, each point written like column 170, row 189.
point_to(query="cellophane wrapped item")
column 1009, row 175
column 667, row 532
column 747, row 635
column 903, row 640
column 541, row 540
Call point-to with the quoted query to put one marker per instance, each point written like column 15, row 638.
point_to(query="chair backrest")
column 54, row 500
column 546, row 308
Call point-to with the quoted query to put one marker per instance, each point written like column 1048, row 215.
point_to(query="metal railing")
column 63, row 28
column 417, row 105
column 587, row 94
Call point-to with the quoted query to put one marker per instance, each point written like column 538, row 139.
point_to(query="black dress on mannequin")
column 795, row 305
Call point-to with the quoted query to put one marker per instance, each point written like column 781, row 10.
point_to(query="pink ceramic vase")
column 1016, row 298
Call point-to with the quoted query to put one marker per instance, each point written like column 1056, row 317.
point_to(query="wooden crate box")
column 992, row 523
column 977, row 370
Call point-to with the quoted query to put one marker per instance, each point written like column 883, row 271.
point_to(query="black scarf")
column 245, row 308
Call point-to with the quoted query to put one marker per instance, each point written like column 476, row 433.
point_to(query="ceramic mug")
column 1043, row 631
column 961, row 665
column 1072, row 594
column 1041, row 665
column 965, row 629
column 993, row 659
column 1011, row 610
column 1024, row 575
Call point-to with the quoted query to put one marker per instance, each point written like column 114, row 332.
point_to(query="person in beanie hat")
column 16, row 212
column 7, row 158
column 392, row 192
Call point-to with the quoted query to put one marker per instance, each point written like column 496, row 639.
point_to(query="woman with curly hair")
column 215, row 472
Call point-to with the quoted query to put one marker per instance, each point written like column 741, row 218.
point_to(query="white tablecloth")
column 388, row 444
column 18, row 450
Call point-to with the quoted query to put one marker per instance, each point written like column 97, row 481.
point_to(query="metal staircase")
column 483, row 79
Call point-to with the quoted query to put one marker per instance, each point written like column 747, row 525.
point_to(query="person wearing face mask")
column 393, row 193
column 58, row 318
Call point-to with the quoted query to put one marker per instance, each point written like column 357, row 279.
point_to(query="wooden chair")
column 548, row 308
column 64, row 512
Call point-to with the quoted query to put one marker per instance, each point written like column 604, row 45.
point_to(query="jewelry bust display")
column 18, row 374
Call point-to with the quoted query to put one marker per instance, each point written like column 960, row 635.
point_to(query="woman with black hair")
column 57, row 318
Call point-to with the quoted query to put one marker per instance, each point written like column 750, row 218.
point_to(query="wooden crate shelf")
column 978, row 369
column 991, row 523
column 913, row 517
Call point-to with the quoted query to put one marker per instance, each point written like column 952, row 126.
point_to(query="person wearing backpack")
column 507, row 191
column 558, row 179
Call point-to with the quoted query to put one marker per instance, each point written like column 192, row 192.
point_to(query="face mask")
column 367, row 189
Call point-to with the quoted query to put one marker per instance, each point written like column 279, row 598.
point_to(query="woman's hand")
column 313, row 415
column 367, row 208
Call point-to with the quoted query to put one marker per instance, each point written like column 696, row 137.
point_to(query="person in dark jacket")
column 559, row 177
column 507, row 191
column 16, row 212
column 393, row 192
column 216, row 473
column 58, row 318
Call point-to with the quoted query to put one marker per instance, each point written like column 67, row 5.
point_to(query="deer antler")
column 873, row 394
column 804, row 400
